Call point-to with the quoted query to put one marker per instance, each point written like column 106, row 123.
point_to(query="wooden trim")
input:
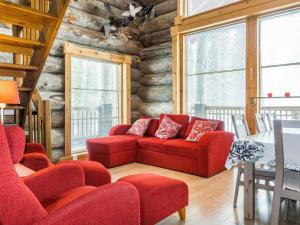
column 234, row 12
column 252, row 55
column 124, row 62
column 47, row 124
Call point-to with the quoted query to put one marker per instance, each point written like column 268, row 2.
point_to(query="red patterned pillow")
column 167, row 128
column 200, row 127
column 139, row 127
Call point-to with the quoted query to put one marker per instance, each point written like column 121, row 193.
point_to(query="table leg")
column 249, row 191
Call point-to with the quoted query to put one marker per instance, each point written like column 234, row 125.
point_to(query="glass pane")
column 95, row 100
column 216, row 77
column 280, row 39
column 198, row 6
column 217, row 49
column 280, row 65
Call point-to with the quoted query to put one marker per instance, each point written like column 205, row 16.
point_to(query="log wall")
column 83, row 25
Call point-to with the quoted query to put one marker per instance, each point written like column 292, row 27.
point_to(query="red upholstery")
column 36, row 161
column 221, row 125
column 154, row 124
column 119, row 129
column 95, row 173
column 63, row 185
column 159, row 196
column 34, row 148
column 183, row 148
column 16, row 141
column 151, row 143
column 183, row 120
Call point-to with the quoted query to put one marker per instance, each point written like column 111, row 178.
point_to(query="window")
column 215, row 73
column 95, row 87
column 280, row 64
column 194, row 7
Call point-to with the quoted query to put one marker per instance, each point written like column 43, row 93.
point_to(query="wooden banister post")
column 47, row 128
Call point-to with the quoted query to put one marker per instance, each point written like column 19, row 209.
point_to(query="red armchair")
column 61, row 200
column 34, row 157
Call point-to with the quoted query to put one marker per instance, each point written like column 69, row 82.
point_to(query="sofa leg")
column 181, row 213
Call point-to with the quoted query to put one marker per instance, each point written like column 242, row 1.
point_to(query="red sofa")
column 204, row 158
column 48, row 198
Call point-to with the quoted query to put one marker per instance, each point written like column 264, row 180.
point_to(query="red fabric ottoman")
column 112, row 151
column 160, row 196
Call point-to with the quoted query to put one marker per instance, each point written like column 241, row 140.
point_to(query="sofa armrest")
column 34, row 147
column 217, row 145
column 55, row 180
column 36, row 161
column 119, row 129
column 111, row 204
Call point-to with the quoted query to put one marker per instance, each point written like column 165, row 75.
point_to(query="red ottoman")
column 160, row 196
column 95, row 173
column 112, row 151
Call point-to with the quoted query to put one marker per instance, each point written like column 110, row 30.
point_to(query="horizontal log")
column 135, row 102
column 135, row 115
column 156, row 38
column 57, row 154
column 156, row 79
column 58, row 48
column 57, row 99
column 134, row 87
column 155, row 51
column 54, row 65
column 58, row 119
column 120, row 4
column 165, row 7
column 154, row 109
column 80, row 35
column 83, row 19
column 156, row 66
column 58, row 138
column 136, row 74
column 96, row 8
column 161, row 93
column 51, row 82
column 152, row 2
column 159, row 23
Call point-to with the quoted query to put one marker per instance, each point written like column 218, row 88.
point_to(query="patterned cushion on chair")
column 139, row 127
column 200, row 128
column 168, row 128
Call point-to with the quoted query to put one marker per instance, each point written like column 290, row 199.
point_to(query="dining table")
column 264, row 153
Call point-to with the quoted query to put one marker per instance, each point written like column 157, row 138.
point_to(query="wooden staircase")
column 34, row 28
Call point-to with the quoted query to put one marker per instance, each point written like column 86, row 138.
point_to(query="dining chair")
column 268, row 121
column 242, row 130
column 287, row 182
column 260, row 123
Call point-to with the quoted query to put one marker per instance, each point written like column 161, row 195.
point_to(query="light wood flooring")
column 211, row 199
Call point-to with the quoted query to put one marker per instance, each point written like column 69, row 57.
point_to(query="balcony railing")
column 224, row 113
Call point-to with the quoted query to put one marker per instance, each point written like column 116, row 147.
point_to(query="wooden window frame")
column 249, row 10
column 124, row 62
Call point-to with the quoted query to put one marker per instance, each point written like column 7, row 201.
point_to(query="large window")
column 198, row 6
column 280, row 64
column 215, row 73
column 97, row 86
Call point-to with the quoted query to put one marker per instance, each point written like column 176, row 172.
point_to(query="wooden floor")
column 210, row 199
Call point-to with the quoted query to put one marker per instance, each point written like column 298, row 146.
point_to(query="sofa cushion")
column 181, row 147
column 154, row 124
column 16, row 141
column 168, row 128
column 139, row 127
column 220, row 125
column 200, row 128
column 151, row 143
column 112, row 144
column 183, row 120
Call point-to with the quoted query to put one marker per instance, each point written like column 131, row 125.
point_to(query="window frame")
column 249, row 10
column 124, row 62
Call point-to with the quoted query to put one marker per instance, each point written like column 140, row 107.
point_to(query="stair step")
column 24, row 89
column 16, row 67
column 24, row 16
column 12, row 73
column 14, row 107
column 21, row 42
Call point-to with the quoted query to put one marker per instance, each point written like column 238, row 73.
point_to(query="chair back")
column 268, row 121
column 240, row 125
column 260, row 123
column 287, row 145
column 18, row 205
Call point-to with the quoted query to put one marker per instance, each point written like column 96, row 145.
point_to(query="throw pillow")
column 167, row 128
column 200, row 127
column 139, row 127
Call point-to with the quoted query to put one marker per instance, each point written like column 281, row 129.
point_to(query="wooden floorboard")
column 210, row 199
